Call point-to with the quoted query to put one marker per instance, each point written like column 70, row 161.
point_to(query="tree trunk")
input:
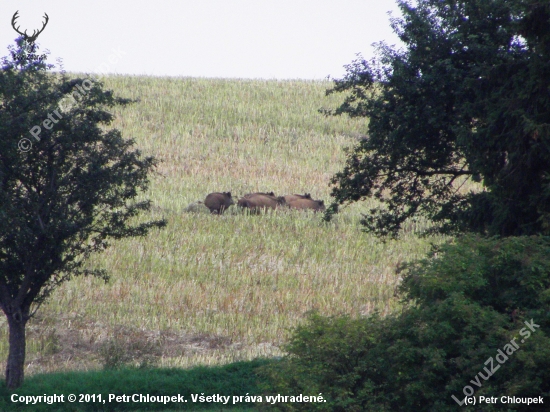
column 16, row 356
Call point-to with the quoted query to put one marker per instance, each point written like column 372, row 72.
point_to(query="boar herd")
column 256, row 203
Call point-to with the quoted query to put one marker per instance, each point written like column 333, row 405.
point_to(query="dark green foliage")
column 327, row 356
column 228, row 380
column 466, row 98
column 65, row 197
column 461, row 305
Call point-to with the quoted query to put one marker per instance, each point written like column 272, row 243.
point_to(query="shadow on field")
column 52, row 342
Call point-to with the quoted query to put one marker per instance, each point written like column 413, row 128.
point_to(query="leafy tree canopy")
column 467, row 97
column 65, row 196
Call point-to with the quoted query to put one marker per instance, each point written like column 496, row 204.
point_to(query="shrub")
column 461, row 305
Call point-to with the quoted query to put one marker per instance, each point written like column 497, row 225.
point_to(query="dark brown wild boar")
column 259, row 193
column 292, row 198
column 256, row 202
column 316, row 205
column 218, row 202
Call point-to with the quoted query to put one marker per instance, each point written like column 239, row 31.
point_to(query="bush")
column 462, row 304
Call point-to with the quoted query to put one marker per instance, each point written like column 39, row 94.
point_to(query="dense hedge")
column 462, row 304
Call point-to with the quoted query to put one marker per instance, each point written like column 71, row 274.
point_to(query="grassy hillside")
column 217, row 289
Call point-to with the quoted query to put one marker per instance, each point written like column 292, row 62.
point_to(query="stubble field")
column 217, row 289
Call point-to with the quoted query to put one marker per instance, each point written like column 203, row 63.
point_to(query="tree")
column 63, row 198
column 465, row 98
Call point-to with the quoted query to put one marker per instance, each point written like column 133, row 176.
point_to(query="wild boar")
column 218, row 202
column 256, row 202
column 292, row 198
column 316, row 205
column 259, row 193
column 197, row 207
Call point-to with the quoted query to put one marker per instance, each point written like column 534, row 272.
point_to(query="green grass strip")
column 237, row 379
